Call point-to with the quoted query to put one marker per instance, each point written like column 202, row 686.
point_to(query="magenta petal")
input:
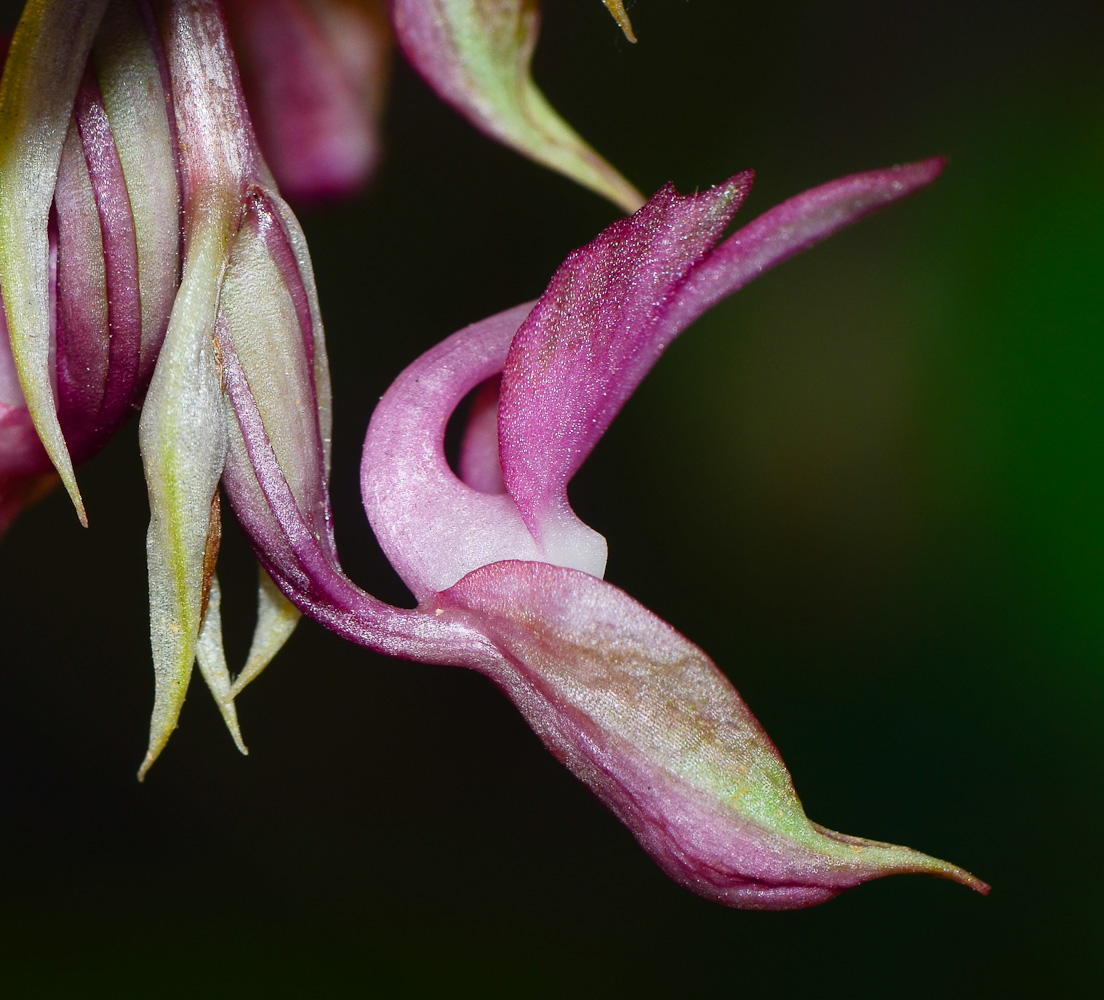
column 433, row 527
column 645, row 719
column 314, row 75
column 99, row 334
column 615, row 305
column 791, row 227
column 594, row 334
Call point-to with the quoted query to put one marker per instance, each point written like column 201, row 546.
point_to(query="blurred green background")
column 871, row 486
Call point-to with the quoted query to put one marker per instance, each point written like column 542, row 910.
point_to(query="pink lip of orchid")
column 508, row 579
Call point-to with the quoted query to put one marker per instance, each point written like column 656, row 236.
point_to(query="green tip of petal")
column 70, row 482
column 230, row 716
column 276, row 620
column 617, row 9
column 892, row 859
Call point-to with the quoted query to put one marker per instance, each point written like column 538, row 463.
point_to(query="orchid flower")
column 146, row 258
column 136, row 212
column 508, row 579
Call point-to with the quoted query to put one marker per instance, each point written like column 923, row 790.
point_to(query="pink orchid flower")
column 137, row 212
column 508, row 579
column 147, row 259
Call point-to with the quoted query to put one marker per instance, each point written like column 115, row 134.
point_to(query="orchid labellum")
column 148, row 260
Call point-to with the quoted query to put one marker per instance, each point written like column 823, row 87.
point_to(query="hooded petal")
column 277, row 414
column 433, row 527
column 266, row 336
column 476, row 55
column 315, row 75
column 41, row 77
column 656, row 731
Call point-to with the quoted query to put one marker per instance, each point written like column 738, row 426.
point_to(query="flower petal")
column 615, row 305
column 212, row 663
column 134, row 85
column 657, row 732
column 584, row 348
column 791, row 227
column 476, row 56
column 41, row 76
column 433, row 527
column 315, row 76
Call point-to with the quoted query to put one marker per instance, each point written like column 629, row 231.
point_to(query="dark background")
column 870, row 486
